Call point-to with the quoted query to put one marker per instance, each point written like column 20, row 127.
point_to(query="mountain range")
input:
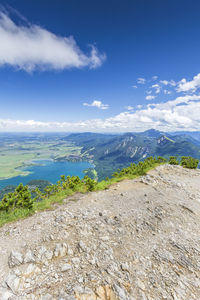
column 112, row 151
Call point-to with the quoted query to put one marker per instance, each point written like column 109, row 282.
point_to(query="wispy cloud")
column 32, row 47
column 166, row 92
column 98, row 104
column 141, row 80
column 165, row 82
column 150, row 97
column 168, row 82
column 157, row 88
column 129, row 107
column 149, row 92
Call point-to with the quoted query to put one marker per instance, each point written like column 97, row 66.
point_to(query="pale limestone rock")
column 48, row 254
column 70, row 251
column 120, row 292
column 15, row 259
column 32, row 269
column 82, row 246
column 47, row 297
column 125, row 267
column 29, row 257
column 60, row 250
column 13, row 282
column 66, row 267
column 5, row 294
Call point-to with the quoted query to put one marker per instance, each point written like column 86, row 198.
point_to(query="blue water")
column 48, row 170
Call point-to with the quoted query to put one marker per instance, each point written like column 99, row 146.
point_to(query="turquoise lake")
column 48, row 170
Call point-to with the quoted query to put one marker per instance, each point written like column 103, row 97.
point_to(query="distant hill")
column 193, row 135
column 111, row 151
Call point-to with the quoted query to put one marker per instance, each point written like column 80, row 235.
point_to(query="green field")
column 16, row 153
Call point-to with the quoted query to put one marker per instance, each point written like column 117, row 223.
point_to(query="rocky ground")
column 137, row 240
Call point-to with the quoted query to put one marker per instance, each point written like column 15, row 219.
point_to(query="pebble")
column 66, row 267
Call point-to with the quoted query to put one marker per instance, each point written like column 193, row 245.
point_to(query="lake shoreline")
column 48, row 169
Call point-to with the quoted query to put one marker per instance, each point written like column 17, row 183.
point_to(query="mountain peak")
column 153, row 133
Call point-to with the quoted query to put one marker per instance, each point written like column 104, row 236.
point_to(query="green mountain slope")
column 110, row 152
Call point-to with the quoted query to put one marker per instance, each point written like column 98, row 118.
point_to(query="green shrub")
column 140, row 169
column 20, row 198
column 161, row 159
column 173, row 160
column 72, row 182
column 89, row 183
column 189, row 162
column 38, row 195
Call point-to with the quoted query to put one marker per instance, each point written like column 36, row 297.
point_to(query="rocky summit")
column 137, row 240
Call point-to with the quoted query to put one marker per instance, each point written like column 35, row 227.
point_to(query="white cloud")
column 33, row 47
column 150, row 97
column 141, row 80
column 189, row 86
column 154, row 77
column 183, row 100
column 98, row 104
column 148, row 92
column 129, row 107
column 166, row 82
column 172, row 83
column 166, row 92
column 134, row 86
column 182, row 113
column 157, row 88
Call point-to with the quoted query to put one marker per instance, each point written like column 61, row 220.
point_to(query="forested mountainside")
column 110, row 152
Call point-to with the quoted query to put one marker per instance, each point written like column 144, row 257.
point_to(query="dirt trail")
column 137, row 240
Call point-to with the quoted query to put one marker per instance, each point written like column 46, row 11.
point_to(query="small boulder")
column 29, row 257
column 66, row 267
column 15, row 259
column 5, row 294
column 13, row 282
column 121, row 294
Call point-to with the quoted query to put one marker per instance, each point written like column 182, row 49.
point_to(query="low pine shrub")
column 173, row 160
column 20, row 198
column 189, row 162
column 89, row 183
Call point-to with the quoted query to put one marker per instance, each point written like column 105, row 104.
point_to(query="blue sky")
column 106, row 66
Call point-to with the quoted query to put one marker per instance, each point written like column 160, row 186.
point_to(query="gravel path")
column 137, row 240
